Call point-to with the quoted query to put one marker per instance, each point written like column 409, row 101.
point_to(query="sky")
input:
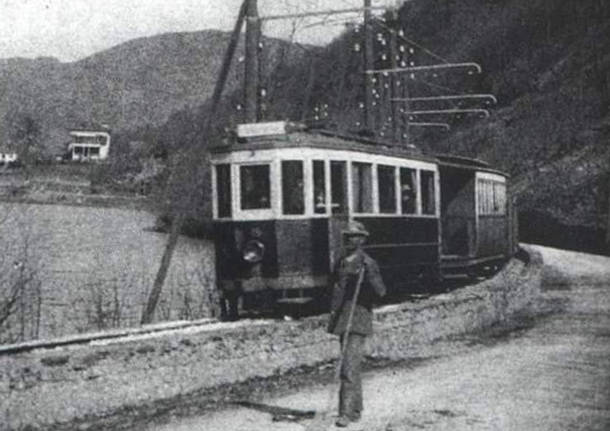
column 73, row 29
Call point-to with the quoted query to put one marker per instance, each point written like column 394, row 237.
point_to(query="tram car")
column 282, row 196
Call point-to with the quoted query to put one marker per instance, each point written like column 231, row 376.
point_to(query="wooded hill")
column 135, row 85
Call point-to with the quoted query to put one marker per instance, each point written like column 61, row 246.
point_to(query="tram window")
column 223, row 190
column 338, row 187
column 491, row 197
column 319, row 187
column 481, row 196
column 255, row 187
column 487, row 208
column 387, row 189
column 408, row 190
column 500, row 198
column 292, row 187
column 427, row 189
column 362, row 187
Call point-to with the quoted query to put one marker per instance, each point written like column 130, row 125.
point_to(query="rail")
column 91, row 337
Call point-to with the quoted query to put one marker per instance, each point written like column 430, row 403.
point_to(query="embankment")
column 66, row 385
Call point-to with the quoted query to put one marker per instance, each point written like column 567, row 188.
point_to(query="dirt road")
column 552, row 376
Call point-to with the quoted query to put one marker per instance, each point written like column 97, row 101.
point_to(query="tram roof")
column 333, row 140
column 322, row 139
column 467, row 163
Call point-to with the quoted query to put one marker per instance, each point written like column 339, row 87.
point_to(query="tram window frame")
column 427, row 182
column 224, row 195
column 386, row 189
column 293, row 202
column 338, row 187
column 362, row 188
column 268, row 186
column 411, row 174
column 319, row 195
column 491, row 197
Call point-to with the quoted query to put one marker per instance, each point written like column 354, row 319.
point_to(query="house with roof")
column 88, row 144
column 7, row 156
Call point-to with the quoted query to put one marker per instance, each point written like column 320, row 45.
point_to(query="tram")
column 282, row 194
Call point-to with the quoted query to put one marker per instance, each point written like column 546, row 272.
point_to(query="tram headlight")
column 253, row 251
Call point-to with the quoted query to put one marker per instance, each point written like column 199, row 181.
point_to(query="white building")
column 89, row 145
column 7, row 156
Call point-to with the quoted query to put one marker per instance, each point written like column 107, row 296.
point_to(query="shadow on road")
column 279, row 414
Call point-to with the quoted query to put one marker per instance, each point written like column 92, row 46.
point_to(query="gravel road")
column 554, row 375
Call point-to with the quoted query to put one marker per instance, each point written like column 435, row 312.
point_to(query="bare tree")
column 20, row 285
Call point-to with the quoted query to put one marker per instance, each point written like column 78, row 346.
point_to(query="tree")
column 24, row 137
column 20, row 284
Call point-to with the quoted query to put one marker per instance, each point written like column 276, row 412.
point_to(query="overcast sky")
column 73, row 29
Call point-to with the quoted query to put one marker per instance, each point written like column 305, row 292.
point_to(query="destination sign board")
column 250, row 130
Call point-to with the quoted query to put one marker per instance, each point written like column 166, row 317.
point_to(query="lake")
column 83, row 268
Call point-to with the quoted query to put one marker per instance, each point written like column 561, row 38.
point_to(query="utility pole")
column 178, row 221
column 368, row 65
column 395, row 81
column 405, row 133
column 309, row 88
column 251, row 85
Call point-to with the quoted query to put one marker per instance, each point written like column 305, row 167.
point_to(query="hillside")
column 132, row 85
column 548, row 64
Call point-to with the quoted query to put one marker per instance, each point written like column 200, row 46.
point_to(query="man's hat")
column 355, row 228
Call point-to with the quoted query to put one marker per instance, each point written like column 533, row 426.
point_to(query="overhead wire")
column 412, row 42
column 437, row 86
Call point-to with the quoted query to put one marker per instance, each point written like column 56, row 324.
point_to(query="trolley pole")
column 368, row 65
column 251, row 85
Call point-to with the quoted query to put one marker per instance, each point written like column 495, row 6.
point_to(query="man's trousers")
column 350, row 393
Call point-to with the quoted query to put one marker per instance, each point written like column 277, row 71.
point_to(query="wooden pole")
column 404, row 88
column 226, row 64
column 395, row 87
column 311, row 79
column 251, row 84
column 178, row 221
column 368, row 65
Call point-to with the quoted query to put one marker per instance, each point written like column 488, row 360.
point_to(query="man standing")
column 356, row 285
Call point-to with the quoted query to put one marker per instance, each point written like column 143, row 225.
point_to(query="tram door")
column 458, row 215
column 339, row 212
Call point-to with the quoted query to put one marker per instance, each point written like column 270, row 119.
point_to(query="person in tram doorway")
column 356, row 284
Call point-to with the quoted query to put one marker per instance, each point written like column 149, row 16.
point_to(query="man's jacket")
column 344, row 280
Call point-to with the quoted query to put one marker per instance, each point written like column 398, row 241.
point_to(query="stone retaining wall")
column 56, row 386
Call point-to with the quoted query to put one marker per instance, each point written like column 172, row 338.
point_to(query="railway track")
column 129, row 334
